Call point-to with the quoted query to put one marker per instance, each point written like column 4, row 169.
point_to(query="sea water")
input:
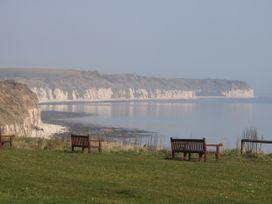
column 218, row 120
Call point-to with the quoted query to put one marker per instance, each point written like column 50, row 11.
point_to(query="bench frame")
column 188, row 146
column 84, row 141
column 6, row 139
column 216, row 151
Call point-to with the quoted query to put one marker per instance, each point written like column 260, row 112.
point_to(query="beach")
column 47, row 130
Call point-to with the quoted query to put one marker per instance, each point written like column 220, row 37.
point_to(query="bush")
column 251, row 133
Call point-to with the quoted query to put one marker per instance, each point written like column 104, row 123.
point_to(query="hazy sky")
column 229, row 39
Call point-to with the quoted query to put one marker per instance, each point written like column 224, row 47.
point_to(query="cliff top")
column 68, row 84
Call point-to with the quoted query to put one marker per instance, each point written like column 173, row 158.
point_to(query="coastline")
column 64, row 128
column 142, row 99
column 112, row 133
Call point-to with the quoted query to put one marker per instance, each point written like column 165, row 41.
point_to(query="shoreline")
column 110, row 134
column 48, row 130
column 141, row 100
column 105, row 132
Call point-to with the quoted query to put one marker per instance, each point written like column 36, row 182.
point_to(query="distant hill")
column 64, row 85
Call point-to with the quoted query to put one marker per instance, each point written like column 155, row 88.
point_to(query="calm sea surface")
column 218, row 120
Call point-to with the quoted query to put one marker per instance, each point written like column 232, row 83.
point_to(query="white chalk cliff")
column 239, row 93
column 73, row 85
column 47, row 94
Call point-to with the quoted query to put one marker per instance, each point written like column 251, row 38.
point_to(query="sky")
column 229, row 39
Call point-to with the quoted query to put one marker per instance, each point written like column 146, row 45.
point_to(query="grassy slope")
column 28, row 176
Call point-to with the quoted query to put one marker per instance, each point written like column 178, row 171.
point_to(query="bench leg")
column 189, row 156
column 216, row 156
column 217, row 153
column 205, row 156
column 200, row 156
column 8, row 142
column 173, row 154
column 100, row 146
column 89, row 149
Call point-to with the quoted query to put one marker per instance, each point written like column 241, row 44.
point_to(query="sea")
column 219, row 120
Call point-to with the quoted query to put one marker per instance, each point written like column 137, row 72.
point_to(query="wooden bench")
column 84, row 141
column 8, row 139
column 215, row 151
column 188, row 146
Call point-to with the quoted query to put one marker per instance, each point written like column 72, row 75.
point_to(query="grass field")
column 35, row 176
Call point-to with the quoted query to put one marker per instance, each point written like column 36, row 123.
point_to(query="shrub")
column 252, row 134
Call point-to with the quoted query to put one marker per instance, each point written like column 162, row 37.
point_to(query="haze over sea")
column 218, row 120
column 170, row 39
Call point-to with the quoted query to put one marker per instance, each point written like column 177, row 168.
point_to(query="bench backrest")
column 188, row 145
column 80, row 140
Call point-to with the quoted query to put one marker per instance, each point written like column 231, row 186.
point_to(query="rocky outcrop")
column 19, row 111
column 73, row 85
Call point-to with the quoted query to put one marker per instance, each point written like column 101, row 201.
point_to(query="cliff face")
column 19, row 111
column 63, row 85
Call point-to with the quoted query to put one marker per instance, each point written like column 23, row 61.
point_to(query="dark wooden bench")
column 85, row 141
column 6, row 139
column 188, row 146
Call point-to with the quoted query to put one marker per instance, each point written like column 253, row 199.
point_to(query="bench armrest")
column 214, row 145
column 96, row 140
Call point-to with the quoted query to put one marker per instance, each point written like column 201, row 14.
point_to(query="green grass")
column 35, row 176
